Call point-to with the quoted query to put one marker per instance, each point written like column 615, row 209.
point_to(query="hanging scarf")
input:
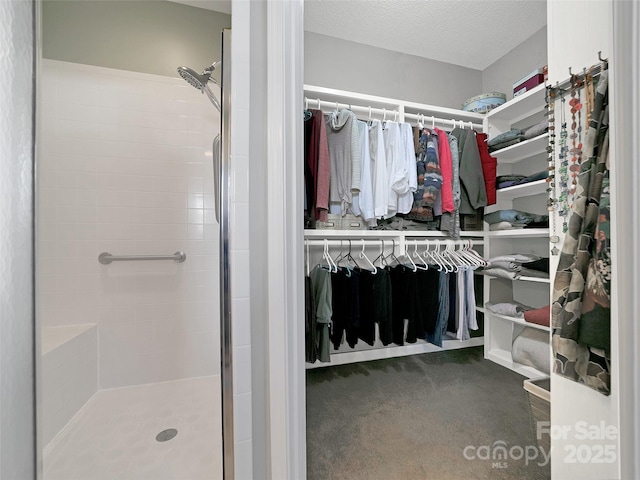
column 581, row 308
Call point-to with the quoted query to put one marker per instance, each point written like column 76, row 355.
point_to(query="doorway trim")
column 286, row 383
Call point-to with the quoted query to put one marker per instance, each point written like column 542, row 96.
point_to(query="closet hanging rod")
column 389, row 114
column 317, row 242
column 428, row 120
column 319, row 104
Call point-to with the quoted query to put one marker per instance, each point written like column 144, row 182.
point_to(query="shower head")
column 194, row 79
column 200, row 80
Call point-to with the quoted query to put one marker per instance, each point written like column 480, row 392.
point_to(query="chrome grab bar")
column 106, row 258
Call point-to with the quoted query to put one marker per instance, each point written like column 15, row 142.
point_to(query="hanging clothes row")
column 392, row 174
column 404, row 300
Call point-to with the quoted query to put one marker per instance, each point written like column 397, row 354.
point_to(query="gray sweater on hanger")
column 344, row 152
column 473, row 194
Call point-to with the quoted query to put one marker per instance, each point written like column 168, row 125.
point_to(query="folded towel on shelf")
column 536, row 130
column 510, row 266
column 507, row 136
column 502, row 145
column 510, row 309
column 509, row 178
column 515, row 257
column 523, row 181
column 511, row 216
column 540, row 316
column 504, row 226
column 531, row 347
column 500, row 272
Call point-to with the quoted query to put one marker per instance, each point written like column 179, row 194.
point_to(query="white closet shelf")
column 524, row 190
column 504, row 358
column 522, row 150
column 520, row 107
column 520, row 233
column 345, row 97
column 516, row 320
column 534, row 280
column 523, row 279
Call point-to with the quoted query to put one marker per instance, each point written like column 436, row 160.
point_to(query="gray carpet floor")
column 412, row 417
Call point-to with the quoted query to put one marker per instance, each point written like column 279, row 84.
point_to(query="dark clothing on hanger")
column 473, row 193
column 345, row 286
column 489, row 168
column 311, row 351
column 453, row 302
column 404, row 288
column 428, row 301
column 368, row 307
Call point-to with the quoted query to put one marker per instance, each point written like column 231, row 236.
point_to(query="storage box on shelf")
column 525, row 158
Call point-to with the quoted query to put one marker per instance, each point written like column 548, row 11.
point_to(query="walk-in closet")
column 443, row 183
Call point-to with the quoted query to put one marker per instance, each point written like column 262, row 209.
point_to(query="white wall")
column 591, row 23
column 17, row 415
column 519, row 62
column 150, row 36
column 125, row 167
column 335, row 63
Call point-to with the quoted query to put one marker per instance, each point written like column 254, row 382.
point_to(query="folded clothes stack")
column 511, row 219
column 516, row 135
column 505, row 140
column 515, row 266
column 510, row 309
column 540, row 316
column 504, row 181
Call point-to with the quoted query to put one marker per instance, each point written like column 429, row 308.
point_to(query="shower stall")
column 132, row 273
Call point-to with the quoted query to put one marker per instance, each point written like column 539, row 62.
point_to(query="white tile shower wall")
column 125, row 167
column 69, row 378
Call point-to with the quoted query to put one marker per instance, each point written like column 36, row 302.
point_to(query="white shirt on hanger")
column 379, row 175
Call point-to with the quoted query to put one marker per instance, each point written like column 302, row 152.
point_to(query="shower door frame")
column 226, row 341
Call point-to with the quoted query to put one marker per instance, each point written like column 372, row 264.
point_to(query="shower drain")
column 166, row 435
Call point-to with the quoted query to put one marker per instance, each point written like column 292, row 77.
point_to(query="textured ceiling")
column 471, row 33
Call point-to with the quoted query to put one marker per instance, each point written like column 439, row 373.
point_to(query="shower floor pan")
column 114, row 434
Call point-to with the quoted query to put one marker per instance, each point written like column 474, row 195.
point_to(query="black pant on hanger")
column 345, row 290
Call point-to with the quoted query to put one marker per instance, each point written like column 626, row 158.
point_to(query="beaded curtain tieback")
column 576, row 135
column 551, row 188
column 563, row 169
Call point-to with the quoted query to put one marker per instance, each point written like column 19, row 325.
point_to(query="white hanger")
column 470, row 124
column 369, row 113
column 464, row 254
column 384, row 115
column 433, row 122
column 424, row 265
column 482, row 262
column 325, row 254
column 454, row 255
column 429, row 255
column 337, row 107
column 306, row 103
column 414, row 267
column 449, row 267
column 319, row 104
column 420, row 121
column 395, row 115
column 363, row 255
